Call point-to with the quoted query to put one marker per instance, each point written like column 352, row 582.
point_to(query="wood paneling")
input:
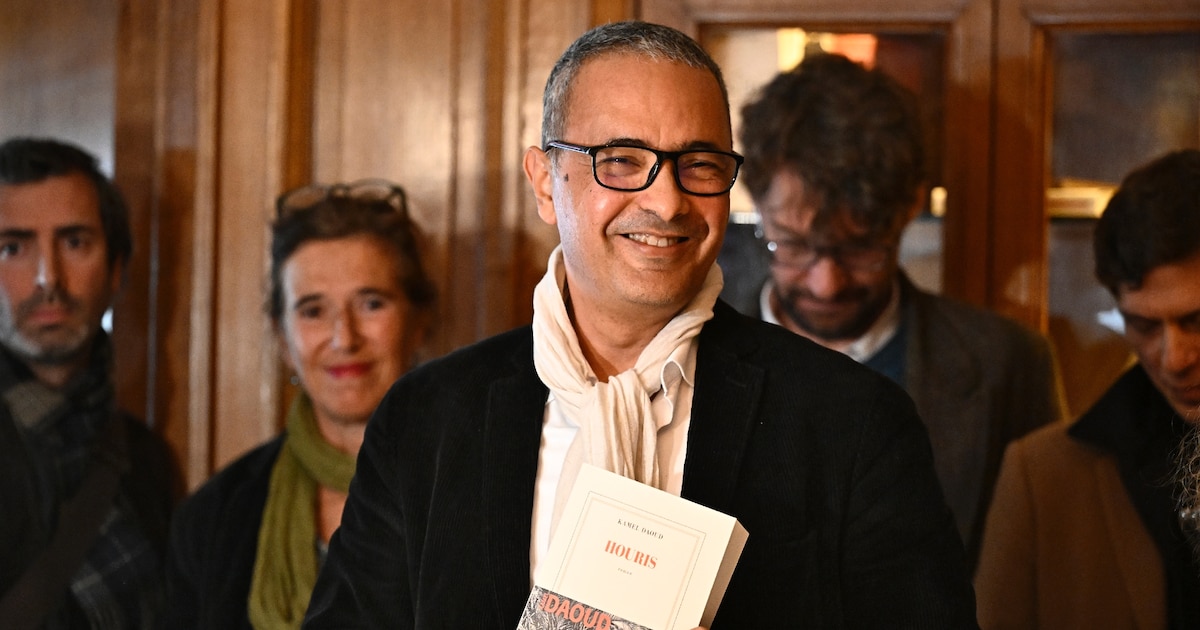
column 249, row 167
column 439, row 106
column 167, row 70
column 57, row 62
column 226, row 104
column 221, row 105
column 208, row 109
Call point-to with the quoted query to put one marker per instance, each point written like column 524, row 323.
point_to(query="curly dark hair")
column 336, row 211
column 32, row 160
column 1152, row 220
column 853, row 136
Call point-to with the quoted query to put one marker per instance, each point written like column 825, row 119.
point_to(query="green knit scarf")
column 285, row 569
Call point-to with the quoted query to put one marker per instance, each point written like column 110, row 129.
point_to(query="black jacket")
column 824, row 462
column 214, row 542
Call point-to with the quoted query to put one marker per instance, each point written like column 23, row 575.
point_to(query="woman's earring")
column 295, row 380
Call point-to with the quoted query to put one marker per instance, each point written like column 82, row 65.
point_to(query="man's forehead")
column 791, row 204
column 1168, row 291
column 799, row 219
column 57, row 202
column 624, row 96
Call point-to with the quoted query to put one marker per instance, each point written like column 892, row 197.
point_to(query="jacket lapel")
column 946, row 383
column 1135, row 552
column 723, row 410
column 938, row 368
column 512, row 434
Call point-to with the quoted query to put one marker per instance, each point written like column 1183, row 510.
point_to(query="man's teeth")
column 655, row 241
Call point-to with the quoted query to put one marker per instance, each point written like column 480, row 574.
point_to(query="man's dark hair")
column 643, row 39
column 32, row 160
column 1152, row 220
column 853, row 136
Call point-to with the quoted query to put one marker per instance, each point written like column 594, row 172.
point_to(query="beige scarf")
column 617, row 430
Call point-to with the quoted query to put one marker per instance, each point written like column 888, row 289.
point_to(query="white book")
column 626, row 555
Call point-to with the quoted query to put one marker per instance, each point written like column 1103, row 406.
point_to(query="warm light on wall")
column 792, row 43
column 937, row 202
column 857, row 46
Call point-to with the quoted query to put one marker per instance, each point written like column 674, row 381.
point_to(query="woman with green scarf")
column 350, row 301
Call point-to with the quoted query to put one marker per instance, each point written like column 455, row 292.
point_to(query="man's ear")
column 538, row 171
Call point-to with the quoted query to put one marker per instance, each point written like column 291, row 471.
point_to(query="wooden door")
column 1086, row 91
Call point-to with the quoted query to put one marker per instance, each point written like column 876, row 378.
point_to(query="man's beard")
column 869, row 309
column 65, row 345
column 1187, row 484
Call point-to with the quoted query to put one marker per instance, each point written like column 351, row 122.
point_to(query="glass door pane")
column 1119, row 100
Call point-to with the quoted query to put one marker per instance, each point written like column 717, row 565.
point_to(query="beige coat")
column 1063, row 546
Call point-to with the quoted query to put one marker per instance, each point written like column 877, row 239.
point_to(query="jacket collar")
column 723, row 408
column 1129, row 417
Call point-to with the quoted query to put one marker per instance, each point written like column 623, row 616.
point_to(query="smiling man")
column 632, row 364
column 1097, row 525
column 86, row 490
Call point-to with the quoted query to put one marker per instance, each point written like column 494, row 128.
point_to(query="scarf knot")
column 617, row 428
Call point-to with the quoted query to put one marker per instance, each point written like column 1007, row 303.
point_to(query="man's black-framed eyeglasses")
column 373, row 191
column 800, row 254
column 631, row 168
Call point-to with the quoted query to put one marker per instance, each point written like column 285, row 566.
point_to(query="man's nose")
column 668, row 199
column 48, row 270
column 825, row 278
column 1181, row 349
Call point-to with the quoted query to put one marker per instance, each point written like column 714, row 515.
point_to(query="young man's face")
column 1162, row 323
column 55, row 279
column 631, row 253
column 836, row 296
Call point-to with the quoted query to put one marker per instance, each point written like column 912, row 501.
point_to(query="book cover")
column 547, row 610
column 637, row 556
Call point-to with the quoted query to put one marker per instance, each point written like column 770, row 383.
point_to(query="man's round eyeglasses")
column 632, row 168
column 801, row 255
column 373, row 191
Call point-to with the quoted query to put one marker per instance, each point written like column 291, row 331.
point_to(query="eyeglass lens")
column 632, row 168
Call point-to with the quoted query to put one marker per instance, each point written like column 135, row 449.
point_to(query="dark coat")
column 150, row 487
column 824, row 462
column 979, row 381
column 214, row 542
column 1067, row 543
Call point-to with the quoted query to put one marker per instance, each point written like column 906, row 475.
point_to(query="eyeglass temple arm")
column 554, row 144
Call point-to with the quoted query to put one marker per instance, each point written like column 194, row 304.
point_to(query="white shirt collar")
column 680, row 367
